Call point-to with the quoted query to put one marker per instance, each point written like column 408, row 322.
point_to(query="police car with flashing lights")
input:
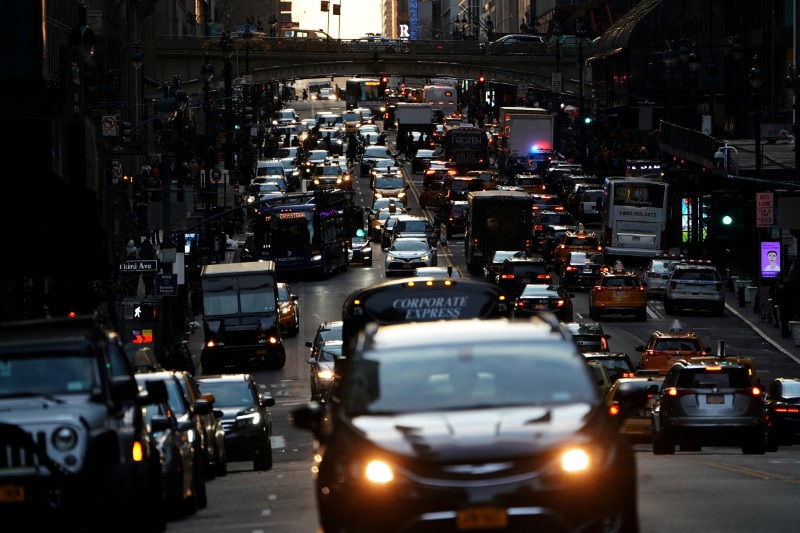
column 696, row 285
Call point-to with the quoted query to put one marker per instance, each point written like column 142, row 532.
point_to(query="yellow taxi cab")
column 665, row 348
column 578, row 240
column 618, row 291
column 489, row 178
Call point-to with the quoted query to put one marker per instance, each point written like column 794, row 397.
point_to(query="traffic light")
column 587, row 120
column 725, row 215
column 125, row 132
column 384, row 84
column 480, row 82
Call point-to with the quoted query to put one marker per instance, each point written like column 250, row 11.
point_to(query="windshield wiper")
column 28, row 394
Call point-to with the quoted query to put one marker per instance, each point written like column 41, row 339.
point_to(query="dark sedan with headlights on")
column 456, row 425
column 246, row 417
column 537, row 299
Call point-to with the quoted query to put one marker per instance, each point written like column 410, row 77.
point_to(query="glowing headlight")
column 390, row 257
column 285, row 310
column 316, row 181
column 401, row 195
column 317, row 257
column 325, row 374
column 190, row 435
column 575, row 460
column 250, row 418
column 378, row 195
column 65, row 438
column 379, row 472
column 424, row 257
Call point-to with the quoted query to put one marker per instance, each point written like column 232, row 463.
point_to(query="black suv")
column 714, row 403
column 76, row 448
column 547, row 219
column 448, row 385
column 518, row 271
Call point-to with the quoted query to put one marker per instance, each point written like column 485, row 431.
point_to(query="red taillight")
column 560, row 303
column 780, row 408
column 613, row 409
column 430, row 172
column 571, row 268
column 603, row 344
column 520, row 304
column 506, row 276
column 537, row 227
column 672, row 391
column 543, row 276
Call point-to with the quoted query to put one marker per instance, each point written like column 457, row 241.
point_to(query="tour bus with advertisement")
column 496, row 220
column 420, row 299
column 635, row 216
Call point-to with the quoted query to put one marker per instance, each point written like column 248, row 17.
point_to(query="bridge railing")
column 343, row 46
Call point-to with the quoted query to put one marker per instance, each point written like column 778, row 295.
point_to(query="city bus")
column 635, row 216
column 304, row 232
column 421, row 299
column 496, row 220
column 364, row 92
column 443, row 99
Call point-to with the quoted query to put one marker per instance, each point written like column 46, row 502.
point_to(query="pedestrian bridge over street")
column 274, row 59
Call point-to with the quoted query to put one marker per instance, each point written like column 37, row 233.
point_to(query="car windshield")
column 663, row 267
column 421, row 154
column 330, row 351
column 388, row 183
column 317, row 155
column 377, row 152
column 228, row 393
column 328, row 170
column 482, row 375
column 48, row 374
column 688, row 274
column 411, row 245
column 682, row 345
column 419, row 226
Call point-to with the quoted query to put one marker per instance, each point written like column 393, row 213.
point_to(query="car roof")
column 224, row 378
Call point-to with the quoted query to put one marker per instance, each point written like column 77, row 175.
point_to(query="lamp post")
column 792, row 84
column 579, row 35
column 207, row 74
column 756, row 78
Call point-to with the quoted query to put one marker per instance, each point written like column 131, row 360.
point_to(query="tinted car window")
column 702, row 379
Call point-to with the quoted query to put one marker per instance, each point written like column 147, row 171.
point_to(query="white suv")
column 695, row 285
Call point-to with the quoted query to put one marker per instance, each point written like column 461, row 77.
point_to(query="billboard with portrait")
column 770, row 259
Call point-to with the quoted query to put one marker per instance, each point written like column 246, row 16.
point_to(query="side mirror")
column 203, row 407
column 266, row 400
column 639, row 348
column 311, row 360
column 160, row 423
column 218, row 414
column 308, row 344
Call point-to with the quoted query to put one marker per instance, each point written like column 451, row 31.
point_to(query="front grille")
column 18, row 450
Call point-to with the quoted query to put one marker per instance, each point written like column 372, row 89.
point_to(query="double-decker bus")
column 365, row 92
column 496, row 220
column 421, row 299
column 305, row 231
column 467, row 146
column 635, row 216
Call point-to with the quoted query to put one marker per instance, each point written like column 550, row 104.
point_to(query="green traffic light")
column 727, row 220
column 587, row 120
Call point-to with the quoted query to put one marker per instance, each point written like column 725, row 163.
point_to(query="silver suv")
column 655, row 277
column 714, row 403
column 72, row 431
column 695, row 285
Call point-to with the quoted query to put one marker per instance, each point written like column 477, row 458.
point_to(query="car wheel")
column 280, row 358
column 200, row 491
column 641, row 315
column 295, row 329
column 662, row 444
column 669, row 307
column 756, row 445
column 263, row 458
column 221, row 462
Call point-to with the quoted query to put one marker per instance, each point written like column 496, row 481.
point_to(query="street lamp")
column 756, row 78
column 792, row 85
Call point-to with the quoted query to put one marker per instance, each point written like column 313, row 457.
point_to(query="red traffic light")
column 481, row 79
column 384, row 79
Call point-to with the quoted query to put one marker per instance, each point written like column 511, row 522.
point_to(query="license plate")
column 619, row 294
column 261, row 351
column 12, row 493
column 407, row 265
column 715, row 398
column 539, row 306
column 481, row 518
column 587, row 270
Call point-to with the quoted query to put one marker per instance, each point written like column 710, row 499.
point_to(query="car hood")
column 359, row 245
column 229, row 413
column 40, row 411
column 409, row 254
column 475, row 433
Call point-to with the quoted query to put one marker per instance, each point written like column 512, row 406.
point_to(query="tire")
column 200, row 492
column 669, row 307
column 280, row 358
column 662, row 444
column 295, row 329
column 263, row 461
column 756, row 445
column 221, row 463
column 368, row 263
column 642, row 315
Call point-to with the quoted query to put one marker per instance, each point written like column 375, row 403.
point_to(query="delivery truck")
column 240, row 317
column 413, row 117
column 526, row 140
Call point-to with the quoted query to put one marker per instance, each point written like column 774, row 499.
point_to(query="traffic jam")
column 427, row 325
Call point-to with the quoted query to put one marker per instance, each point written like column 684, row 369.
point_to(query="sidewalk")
column 769, row 331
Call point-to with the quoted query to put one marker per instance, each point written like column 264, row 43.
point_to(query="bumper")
column 687, row 302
